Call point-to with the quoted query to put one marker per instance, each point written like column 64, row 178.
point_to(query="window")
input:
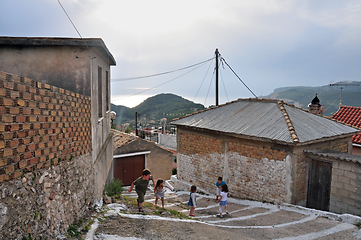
column 100, row 92
column 107, row 89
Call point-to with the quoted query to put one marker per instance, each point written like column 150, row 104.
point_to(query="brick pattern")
column 40, row 125
column 254, row 172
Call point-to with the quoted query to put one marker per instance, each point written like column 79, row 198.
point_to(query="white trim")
column 356, row 145
column 131, row 154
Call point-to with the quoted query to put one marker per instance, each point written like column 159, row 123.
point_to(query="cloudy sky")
column 268, row 44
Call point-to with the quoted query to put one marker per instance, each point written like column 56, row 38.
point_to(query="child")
column 141, row 186
column 192, row 200
column 159, row 191
column 223, row 199
column 219, row 183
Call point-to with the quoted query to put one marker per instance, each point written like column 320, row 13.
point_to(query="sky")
column 267, row 43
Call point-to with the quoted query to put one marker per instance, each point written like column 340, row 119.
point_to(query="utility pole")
column 341, row 85
column 217, row 53
column 136, row 123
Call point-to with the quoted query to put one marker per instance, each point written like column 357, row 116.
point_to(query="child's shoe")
column 220, row 215
column 227, row 212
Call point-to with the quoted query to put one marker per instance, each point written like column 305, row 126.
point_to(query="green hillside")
column 155, row 108
column 329, row 96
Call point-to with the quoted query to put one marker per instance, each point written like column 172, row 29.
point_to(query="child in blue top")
column 192, row 200
column 219, row 183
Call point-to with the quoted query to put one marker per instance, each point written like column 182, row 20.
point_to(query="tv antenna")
column 341, row 85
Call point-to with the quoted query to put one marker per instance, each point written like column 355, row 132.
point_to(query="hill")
column 155, row 108
column 329, row 96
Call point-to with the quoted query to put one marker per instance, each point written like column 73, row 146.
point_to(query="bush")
column 114, row 188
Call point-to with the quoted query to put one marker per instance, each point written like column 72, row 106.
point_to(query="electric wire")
column 159, row 84
column 70, row 19
column 203, row 80
column 210, row 84
column 225, row 90
column 222, row 59
column 159, row 74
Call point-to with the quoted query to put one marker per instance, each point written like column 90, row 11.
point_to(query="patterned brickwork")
column 40, row 125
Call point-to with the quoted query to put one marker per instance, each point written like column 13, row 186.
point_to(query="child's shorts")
column 223, row 203
column 159, row 194
column 140, row 196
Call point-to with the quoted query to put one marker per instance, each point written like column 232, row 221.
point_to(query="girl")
column 159, row 191
column 192, row 200
column 223, row 199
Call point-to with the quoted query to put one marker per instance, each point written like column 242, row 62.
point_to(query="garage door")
column 128, row 169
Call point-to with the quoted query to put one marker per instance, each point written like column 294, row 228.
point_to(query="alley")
column 246, row 220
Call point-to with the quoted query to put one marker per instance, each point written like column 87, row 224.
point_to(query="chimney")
column 315, row 106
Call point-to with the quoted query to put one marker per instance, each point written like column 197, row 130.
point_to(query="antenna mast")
column 341, row 85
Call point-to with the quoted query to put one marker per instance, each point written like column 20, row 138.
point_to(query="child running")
column 159, row 191
column 192, row 200
column 141, row 186
column 223, row 199
column 219, row 183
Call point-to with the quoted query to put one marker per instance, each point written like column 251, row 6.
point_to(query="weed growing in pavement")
column 358, row 224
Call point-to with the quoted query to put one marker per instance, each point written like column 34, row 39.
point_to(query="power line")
column 69, row 19
column 203, row 80
column 222, row 59
column 161, row 83
column 158, row 74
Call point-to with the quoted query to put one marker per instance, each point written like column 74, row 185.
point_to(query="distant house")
column 132, row 154
column 351, row 116
column 266, row 150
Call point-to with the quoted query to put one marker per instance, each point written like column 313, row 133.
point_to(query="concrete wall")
column 168, row 141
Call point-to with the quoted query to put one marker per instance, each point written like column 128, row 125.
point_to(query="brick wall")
column 40, row 125
column 251, row 171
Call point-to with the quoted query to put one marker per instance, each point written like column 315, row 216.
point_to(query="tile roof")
column 335, row 155
column 266, row 119
column 121, row 138
column 351, row 116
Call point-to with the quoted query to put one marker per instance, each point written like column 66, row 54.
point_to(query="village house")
column 132, row 154
column 268, row 150
column 56, row 145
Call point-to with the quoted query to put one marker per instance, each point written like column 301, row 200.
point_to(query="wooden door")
column 128, row 169
column 319, row 185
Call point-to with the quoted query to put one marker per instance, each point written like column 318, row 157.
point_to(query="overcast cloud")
column 269, row 44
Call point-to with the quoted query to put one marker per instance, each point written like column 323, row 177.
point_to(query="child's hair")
column 220, row 178
column 224, row 188
column 159, row 182
column 193, row 188
column 146, row 172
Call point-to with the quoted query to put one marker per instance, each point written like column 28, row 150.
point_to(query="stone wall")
column 47, row 171
column 251, row 171
column 44, row 202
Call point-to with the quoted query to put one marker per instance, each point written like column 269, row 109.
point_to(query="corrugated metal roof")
column 335, row 155
column 264, row 118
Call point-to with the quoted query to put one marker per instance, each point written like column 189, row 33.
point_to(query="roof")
column 50, row 41
column 266, row 119
column 329, row 154
column 121, row 138
column 351, row 116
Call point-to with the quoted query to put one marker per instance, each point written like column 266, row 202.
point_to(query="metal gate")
column 319, row 185
column 128, row 169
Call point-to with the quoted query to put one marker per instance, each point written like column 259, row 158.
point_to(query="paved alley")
column 246, row 220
